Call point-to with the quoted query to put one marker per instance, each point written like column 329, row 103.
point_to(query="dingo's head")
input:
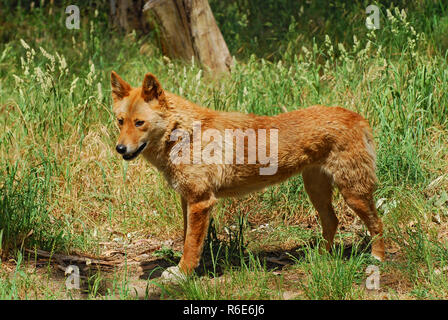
column 139, row 112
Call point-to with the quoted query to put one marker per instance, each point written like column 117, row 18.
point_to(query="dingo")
column 328, row 145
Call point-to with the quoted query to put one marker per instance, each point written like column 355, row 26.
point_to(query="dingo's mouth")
column 130, row 156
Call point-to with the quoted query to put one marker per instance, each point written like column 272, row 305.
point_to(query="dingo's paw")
column 378, row 256
column 173, row 274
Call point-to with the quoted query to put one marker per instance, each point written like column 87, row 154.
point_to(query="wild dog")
column 330, row 146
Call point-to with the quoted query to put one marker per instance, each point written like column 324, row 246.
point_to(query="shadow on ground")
column 271, row 260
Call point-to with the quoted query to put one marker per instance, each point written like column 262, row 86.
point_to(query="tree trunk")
column 188, row 29
column 128, row 15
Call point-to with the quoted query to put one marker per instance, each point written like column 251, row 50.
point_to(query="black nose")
column 121, row 148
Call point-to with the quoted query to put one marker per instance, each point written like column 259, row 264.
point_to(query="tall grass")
column 24, row 216
column 331, row 276
column 426, row 256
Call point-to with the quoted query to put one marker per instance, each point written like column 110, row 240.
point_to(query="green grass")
column 250, row 281
column 63, row 188
column 331, row 276
column 24, row 216
column 25, row 282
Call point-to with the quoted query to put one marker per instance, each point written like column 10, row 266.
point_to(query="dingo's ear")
column 151, row 89
column 120, row 88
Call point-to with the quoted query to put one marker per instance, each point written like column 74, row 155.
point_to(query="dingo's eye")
column 120, row 122
column 139, row 123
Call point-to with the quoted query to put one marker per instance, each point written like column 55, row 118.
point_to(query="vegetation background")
column 63, row 189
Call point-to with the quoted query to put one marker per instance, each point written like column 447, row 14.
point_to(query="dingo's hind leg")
column 318, row 185
column 353, row 171
column 364, row 207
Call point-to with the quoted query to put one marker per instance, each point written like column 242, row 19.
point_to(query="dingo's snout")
column 130, row 153
column 121, row 148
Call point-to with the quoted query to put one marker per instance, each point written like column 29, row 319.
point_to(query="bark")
column 128, row 15
column 188, row 29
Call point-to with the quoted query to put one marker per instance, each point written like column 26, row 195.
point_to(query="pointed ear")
column 151, row 89
column 120, row 88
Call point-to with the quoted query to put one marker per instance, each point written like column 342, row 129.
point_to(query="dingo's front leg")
column 196, row 221
column 198, row 217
